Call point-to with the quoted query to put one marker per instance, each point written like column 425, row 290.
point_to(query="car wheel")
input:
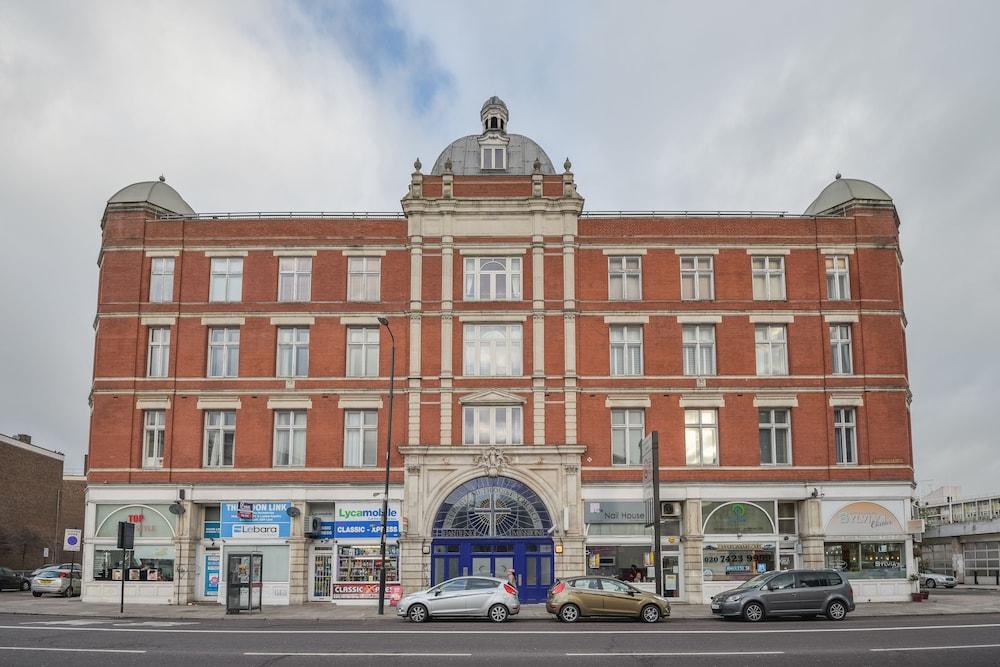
column 930, row 583
column 36, row 594
column 836, row 611
column 418, row 613
column 498, row 613
column 753, row 612
column 650, row 614
column 25, row 585
column 569, row 613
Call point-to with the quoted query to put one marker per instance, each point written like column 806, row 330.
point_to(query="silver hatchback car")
column 484, row 597
column 56, row 581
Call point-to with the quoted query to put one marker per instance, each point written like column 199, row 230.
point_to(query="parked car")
column 11, row 580
column 788, row 593
column 933, row 580
column 60, row 581
column 486, row 597
column 574, row 597
column 55, row 566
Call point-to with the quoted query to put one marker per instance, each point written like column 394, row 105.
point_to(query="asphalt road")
column 966, row 640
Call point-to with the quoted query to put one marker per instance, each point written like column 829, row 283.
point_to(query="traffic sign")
column 72, row 539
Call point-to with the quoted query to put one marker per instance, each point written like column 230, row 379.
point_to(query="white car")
column 485, row 597
column 933, row 580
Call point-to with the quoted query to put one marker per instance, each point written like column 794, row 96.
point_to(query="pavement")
column 960, row 600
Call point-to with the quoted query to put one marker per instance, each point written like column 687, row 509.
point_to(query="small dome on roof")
column 157, row 193
column 494, row 102
column 843, row 190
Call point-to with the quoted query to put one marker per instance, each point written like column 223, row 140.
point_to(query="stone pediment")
column 491, row 397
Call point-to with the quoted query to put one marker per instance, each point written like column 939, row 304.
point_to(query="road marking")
column 71, row 650
column 155, row 624
column 506, row 632
column 936, row 648
column 361, row 655
column 72, row 622
column 678, row 654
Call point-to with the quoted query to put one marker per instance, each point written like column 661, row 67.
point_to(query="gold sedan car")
column 572, row 598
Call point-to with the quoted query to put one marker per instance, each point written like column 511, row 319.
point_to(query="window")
column 775, row 437
column 293, row 352
column 223, row 353
column 227, row 279
column 699, row 349
column 787, row 519
column 289, row 437
column 364, row 277
column 153, row 432
column 492, row 425
column 768, row 278
column 360, row 438
column 626, row 349
column 845, row 435
column 159, row 352
column 697, row 278
column 494, row 157
column 161, row 280
column 867, row 560
column 840, row 348
column 220, row 438
column 838, row 278
column 624, row 278
column 294, row 278
column 146, row 563
column 493, row 278
column 493, row 349
column 362, row 351
column 627, row 431
column 772, row 349
column 701, row 437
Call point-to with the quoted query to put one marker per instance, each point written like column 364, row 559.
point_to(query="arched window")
column 738, row 519
column 492, row 507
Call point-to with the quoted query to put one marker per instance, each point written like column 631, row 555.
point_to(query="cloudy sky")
column 324, row 106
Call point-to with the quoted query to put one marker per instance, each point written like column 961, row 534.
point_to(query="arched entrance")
column 488, row 526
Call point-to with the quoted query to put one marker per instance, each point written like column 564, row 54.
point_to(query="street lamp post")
column 384, row 321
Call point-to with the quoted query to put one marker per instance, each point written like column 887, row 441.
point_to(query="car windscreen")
column 48, row 574
column 756, row 581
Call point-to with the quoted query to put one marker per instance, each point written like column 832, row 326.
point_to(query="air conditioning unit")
column 313, row 526
column 669, row 509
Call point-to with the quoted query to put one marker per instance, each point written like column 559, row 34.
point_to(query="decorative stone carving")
column 571, row 469
column 413, row 469
column 492, row 460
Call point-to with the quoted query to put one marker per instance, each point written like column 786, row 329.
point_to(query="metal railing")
column 243, row 215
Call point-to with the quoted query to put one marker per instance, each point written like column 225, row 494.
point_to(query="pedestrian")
column 512, row 577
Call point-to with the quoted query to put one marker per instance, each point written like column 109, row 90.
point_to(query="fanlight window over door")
column 492, row 507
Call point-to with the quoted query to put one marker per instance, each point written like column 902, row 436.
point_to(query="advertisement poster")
column 212, row 573
column 366, row 591
column 247, row 521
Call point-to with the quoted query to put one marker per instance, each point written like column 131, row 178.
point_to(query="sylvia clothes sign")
column 247, row 521
column 863, row 519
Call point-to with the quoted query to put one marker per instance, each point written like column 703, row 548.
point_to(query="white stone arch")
column 460, row 477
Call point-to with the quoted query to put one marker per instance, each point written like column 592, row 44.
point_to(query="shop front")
column 620, row 545
column 148, row 570
column 254, row 528
column 741, row 540
column 866, row 541
column 355, row 559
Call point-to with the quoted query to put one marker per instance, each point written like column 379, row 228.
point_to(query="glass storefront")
column 146, row 563
column 736, row 561
column 867, row 560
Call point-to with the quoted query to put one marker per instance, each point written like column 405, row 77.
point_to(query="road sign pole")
column 657, row 524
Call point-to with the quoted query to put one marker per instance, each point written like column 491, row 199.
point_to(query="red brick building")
column 239, row 358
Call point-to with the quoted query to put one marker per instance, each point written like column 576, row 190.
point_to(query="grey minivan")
column 788, row 593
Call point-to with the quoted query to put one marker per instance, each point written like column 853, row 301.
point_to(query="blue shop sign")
column 365, row 529
column 326, row 530
column 213, row 530
column 246, row 521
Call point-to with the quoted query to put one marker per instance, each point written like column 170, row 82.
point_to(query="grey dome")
column 157, row 193
column 521, row 154
column 843, row 190
column 494, row 101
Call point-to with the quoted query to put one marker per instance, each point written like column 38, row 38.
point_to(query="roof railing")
column 242, row 215
column 384, row 215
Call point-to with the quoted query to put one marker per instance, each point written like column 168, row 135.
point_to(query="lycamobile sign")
column 364, row 520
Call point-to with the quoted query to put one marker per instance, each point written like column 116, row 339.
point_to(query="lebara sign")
column 263, row 520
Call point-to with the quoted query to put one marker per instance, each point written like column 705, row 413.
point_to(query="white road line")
column 501, row 633
column 71, row 650
column 362, row 655
column 936, row 648
column 678, row 654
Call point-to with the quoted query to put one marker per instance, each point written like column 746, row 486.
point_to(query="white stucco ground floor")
column 485, row 512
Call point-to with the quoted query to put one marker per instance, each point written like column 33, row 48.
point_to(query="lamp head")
column 384, row 321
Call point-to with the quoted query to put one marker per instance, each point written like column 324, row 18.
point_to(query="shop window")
column 149, row 520
column 866, row 560
column 738, row 518
column 146, row 563
column 736, row 562
column 787, row 519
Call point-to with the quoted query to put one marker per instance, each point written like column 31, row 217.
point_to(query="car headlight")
column 734, row 598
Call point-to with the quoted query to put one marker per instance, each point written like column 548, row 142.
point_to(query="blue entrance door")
column 531, row 560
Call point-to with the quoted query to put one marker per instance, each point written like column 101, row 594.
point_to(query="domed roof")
column 157, row 193
column 465, row 158
column 843, row 190
column 494, row 101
